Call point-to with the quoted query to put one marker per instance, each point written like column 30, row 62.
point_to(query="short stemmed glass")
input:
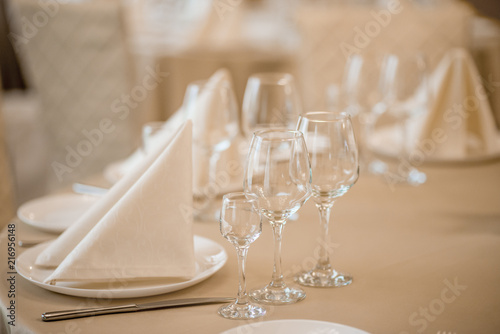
column 278, row 172
column 241, row 224
column 334, row 161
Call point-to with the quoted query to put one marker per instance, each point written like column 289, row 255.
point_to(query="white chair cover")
column 78, row 62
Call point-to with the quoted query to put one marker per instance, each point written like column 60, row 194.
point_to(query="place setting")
column 136, row 238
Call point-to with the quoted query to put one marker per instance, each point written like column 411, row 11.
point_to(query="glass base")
column 242, row 311
column 323, row 278
column 278, row 296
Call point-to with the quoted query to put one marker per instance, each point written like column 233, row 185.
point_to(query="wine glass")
column 405, row 90
column 241, row 224
column 278, row 172
column 333, row 154
column 212, row 106
column 270, row 101
column 361, row 96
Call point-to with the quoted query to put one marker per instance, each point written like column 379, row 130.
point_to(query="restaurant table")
column 424, row 259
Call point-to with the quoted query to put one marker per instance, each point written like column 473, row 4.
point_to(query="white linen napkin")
column 141, row 229
column 459, row 125
column 460, row 114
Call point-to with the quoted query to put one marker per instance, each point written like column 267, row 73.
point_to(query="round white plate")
column 294, row 326
column 55, row 213
column 210, row 257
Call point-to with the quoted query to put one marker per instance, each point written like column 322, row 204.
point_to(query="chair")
column 77, row 59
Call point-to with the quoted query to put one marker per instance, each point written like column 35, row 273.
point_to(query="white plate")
column 294, row 326
column 55, row 213
column 210, row 257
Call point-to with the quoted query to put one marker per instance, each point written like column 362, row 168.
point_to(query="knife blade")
column 90, row 312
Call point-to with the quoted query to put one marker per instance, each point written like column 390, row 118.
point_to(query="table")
column 424, row 259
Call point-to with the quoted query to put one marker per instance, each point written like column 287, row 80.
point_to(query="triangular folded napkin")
column 460, row 119
column 141, row 229
column 459, row 125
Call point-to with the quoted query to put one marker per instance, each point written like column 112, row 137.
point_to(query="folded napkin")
column 141, row 229
column 460, row 114
column 459, row 124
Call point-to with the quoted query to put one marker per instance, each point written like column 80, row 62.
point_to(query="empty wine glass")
column 241, row 224
column 334, row 162
column 270, row 101
column 405, row 88
column 211, row 105
column 278, row 172
column 361, row 96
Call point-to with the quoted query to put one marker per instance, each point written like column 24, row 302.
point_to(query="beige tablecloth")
column 424, row 260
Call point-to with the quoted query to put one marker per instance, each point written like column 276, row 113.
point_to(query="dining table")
column 424, row 259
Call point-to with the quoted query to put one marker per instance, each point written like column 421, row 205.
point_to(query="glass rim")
column 336, row 116
column 240, row 196
column 259, row 134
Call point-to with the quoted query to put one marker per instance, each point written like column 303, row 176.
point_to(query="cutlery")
column 89, row 312
column 86, row 189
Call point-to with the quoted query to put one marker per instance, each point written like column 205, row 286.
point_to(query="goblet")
column 278, row 172
column 214, row 112
column 405, row 90
column 271, row 100
column 241, row 224
column 334, row 162
column 361, row 96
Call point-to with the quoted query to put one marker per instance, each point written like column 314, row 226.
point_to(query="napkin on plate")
column 141, row 229
column 460, row 121
column 459, row 125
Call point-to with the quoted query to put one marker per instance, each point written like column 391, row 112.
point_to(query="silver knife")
column 89, row 312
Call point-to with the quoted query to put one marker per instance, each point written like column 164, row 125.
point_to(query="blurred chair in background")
column 76, row 58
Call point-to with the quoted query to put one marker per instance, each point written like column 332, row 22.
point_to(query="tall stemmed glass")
column 405, row 88
column 361, row 96
column 278, row 172
column 213, row 109
column 241, row 224
column 271, row 101
column 334, row 161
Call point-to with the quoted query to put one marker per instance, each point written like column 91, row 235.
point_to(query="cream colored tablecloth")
column 406, row 247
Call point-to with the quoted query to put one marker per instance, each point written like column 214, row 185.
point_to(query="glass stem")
column 277, row 281
column 242, row 285
column 213, row 157
column 324, row 219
